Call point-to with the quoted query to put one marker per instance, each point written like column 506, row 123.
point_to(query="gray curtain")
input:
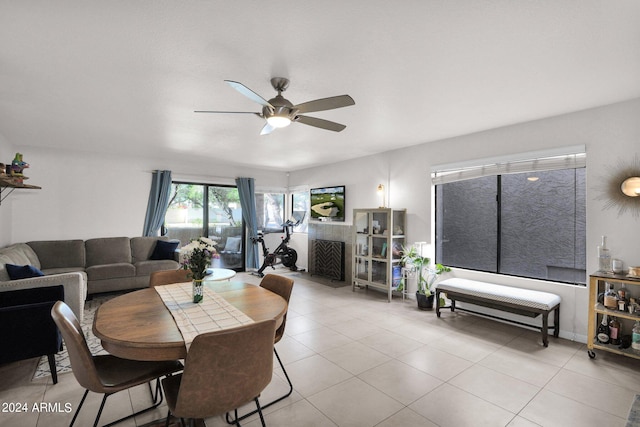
column 246, row 191
column 158, row 203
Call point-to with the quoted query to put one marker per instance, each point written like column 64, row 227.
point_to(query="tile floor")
column 356, row 360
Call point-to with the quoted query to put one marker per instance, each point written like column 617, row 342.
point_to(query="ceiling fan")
column 279, row 112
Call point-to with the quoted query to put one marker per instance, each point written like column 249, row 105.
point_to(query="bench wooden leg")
column 437, row 304
column 545, row 329
column 556, row 321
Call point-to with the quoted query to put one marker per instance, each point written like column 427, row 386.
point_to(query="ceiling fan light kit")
column 279, row 112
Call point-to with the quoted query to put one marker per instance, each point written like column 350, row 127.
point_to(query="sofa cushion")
column 165, row 250
column 145, row 268
column 108, row 250
column 68, row 254
column 17, row 254
column 232, row 244
column 143, row 247
column 17, row 272
column 111, row 271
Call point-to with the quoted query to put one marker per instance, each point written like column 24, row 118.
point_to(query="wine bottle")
column 614, row 331
column 602, row 335
column 610, row 297
column 604, row 257
column 635, row 336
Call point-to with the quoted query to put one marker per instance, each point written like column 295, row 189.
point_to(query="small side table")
column 217, row 274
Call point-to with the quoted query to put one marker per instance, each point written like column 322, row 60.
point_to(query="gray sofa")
column 85, row 267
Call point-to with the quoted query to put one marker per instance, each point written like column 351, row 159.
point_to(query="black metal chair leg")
column 84, row 396
column 259, row 413
column 230, row 421
column 104, row 400
column 157, row 401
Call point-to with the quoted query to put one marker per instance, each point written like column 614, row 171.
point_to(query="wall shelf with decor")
column 9, row 184
column 597, row 285
column 378, row 238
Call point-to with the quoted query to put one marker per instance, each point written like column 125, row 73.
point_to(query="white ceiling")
column 125, row 76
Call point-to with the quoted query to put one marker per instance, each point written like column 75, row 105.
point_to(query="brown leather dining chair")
column 106, row 374
column 223, row 370
column 282, row 286
column 167, row 277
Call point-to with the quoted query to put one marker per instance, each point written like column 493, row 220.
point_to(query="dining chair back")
column 223, row 370
column 167, row 277
column 282, row 286
column 106, row 374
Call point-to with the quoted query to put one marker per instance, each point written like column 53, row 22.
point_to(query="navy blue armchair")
column 26, row 327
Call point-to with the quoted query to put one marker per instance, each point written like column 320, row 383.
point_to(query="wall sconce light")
column 620, row 187
column 631, row 186
column 381, row 195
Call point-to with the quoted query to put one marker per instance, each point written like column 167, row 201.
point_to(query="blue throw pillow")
column 165, row 249
column 22, row 271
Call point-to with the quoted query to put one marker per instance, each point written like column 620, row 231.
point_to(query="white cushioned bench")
column 524, row 302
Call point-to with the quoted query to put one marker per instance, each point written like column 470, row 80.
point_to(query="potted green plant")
column 427, row 276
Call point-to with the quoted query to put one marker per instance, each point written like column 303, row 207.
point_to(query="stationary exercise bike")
column 287, row 256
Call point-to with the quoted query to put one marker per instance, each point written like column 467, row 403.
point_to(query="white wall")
column 86, row 195
column 610, row 134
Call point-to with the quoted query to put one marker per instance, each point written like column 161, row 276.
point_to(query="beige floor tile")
column 301, row 413
column 448, row 406
column 465, row 346
column 290, row 350
column 406, row 418
column 315, row 374
column 609, row 367
column 390, row 343
column 553, row 410
column 400, row 381
column 330, row 317
column 355, row 357
column 500, row 389
column 558, row 353
column 437, row 363
column 338, row 403
column 521, row 367
column 356, row 329
column 412, row 368
column 322, row 339
column 300, row 324
column 522, row 422
column 590, row 391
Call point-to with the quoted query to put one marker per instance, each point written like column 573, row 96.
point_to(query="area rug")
column 633, row 420
column 63, row 364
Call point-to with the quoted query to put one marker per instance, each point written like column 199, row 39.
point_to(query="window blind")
column 562, row 158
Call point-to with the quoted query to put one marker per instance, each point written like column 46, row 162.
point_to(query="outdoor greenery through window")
column 530, row 224
column 270, row 212
column 213, row 211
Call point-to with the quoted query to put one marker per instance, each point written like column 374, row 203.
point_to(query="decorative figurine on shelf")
column 3, row 169
column 17, row 166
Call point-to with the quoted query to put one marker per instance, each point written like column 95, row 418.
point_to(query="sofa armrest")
column 75, row 288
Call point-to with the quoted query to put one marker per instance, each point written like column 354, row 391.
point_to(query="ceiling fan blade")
column 267, row 129
column 228, row 112
column 248, row 93
column 325, row 104
column 320, row 123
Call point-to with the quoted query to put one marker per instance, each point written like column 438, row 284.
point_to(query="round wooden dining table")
column 138, row 326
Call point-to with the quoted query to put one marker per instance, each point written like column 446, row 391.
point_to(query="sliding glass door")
column 208, row 210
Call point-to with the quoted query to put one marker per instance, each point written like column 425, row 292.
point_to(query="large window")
column 270, row 212
column 530, row 224
column 208, row 210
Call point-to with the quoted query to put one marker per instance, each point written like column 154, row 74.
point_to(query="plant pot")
column 425, row 302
